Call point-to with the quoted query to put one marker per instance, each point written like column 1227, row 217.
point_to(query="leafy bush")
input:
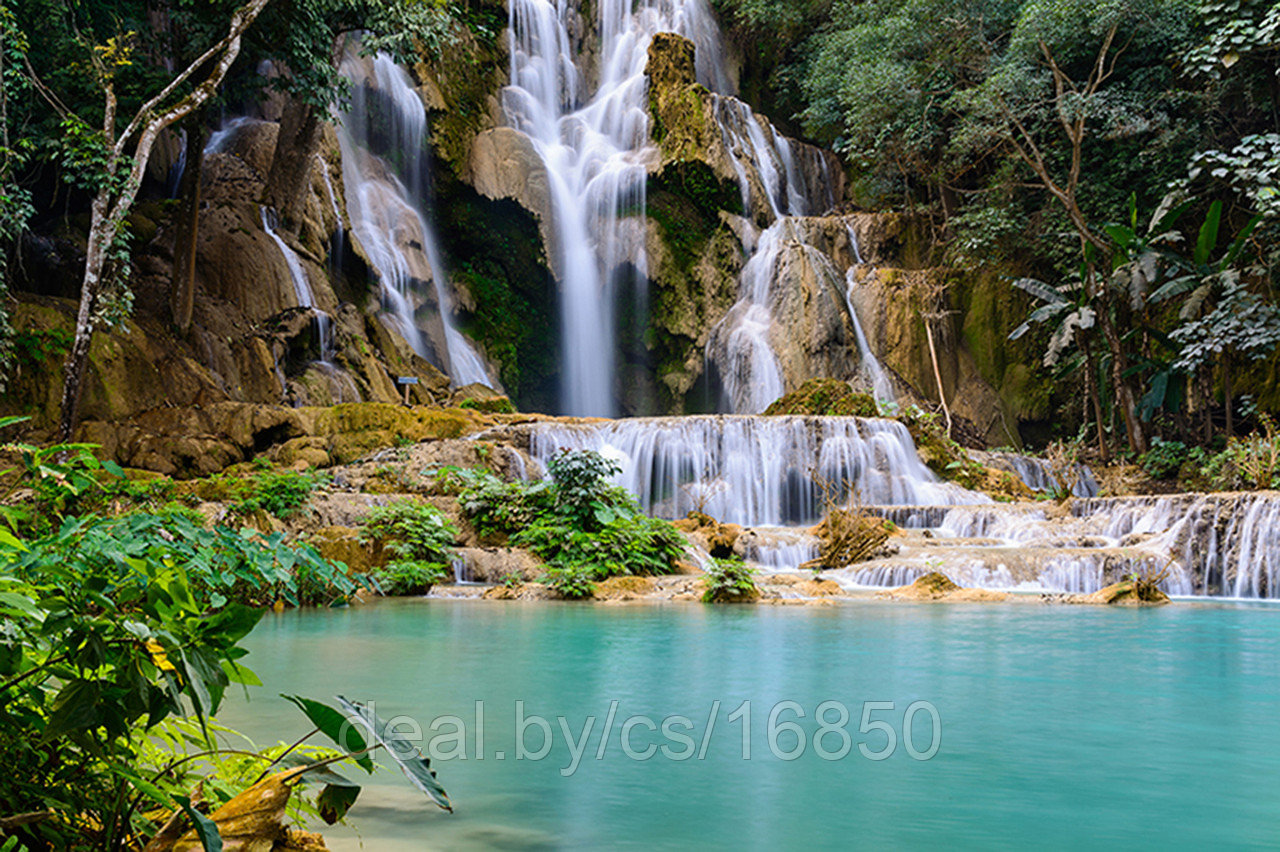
column 1164, row 459
column 573, row 582
column 413, row 530
column 730, row 581
column 578, row 522
column 422, row 539
column 280, row 493
column 111, row 629
column 495, row 507
column 630, row 545
column 582, row 487
column 410, row 576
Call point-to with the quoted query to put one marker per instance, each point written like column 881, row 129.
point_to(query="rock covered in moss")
column 1126, row 593
column 825, row 397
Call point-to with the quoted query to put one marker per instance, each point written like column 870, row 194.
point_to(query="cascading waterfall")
column 872, row 370
column 302, row 287
column 596, row 149
column 750, row 470
column 385, row 207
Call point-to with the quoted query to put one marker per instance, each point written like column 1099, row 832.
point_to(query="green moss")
column 685, row 200
column 467, row 72
column 825, row 397
column 496, row 256
column 494, row 405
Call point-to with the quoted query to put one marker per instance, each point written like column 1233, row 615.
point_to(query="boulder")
column 342, row 544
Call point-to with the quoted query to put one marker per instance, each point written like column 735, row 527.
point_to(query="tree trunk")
column 183, row 294
column 296, row 145
column 1124, row 394
column 1095, row 400
column 937, row 373
column 100, row 238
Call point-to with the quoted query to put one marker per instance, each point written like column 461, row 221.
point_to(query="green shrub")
column 410, row 576
column 1164, row 459
column 495, row 507
column 577, row 522
column 573, row 582
column 422, row 539
column 730, row 581
column 280, row 493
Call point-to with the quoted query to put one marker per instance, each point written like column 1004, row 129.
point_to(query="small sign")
column 406, row 380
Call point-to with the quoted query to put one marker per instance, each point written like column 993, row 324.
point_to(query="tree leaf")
column 335, row 800
column 406, row 755
column 206, row 829
column 1208, row 239
column 333, row 724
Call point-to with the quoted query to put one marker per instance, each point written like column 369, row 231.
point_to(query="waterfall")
column 596, row 149
column 755, row 470
column 301, row 284
column 385, row 205
column 338, row 244
column 872, row 370
column 739, row 345
column 1038, row 475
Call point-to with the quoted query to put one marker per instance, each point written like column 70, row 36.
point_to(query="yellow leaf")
column 1230, row 58
column 158, row 656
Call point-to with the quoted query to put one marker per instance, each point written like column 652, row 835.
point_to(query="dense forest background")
column 1116, row 162
column 1121, row 158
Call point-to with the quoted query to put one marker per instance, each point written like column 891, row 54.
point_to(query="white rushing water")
column 386, row 206
column 752, row 470
column 587, row 115
column 872, row 370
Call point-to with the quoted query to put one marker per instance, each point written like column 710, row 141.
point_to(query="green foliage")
column 104, row 636
column 422, row 540
column 573, row 582
column 280, row 493
column 577, row 522
column 63, row 479
column 411, row 529
column 494, row 507
column 410, row 577
column 1165, row 459
column 730, row 581
column 583, row 492
column 630, row 544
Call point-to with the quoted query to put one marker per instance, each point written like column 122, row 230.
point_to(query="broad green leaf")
column 398, row 747
column 206, row 829
column 333, row 724
column 1208, row 239
column 335, row 800
column 240, row 674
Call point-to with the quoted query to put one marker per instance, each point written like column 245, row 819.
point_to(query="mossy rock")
column 825, row 398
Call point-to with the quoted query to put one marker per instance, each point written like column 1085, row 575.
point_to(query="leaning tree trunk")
column 100, row 239
column 113, row 201
column 296, row 146
column 182, row 301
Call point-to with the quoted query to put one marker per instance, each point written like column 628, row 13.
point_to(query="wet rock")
column 1127, row 593
column 498, row 564
column 712, row 536
column 342, row 544
column 935, row 586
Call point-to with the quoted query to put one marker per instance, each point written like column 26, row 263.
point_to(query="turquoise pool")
column 1059, row 726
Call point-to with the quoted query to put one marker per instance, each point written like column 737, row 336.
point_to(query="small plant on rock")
column 407, row 577
column 572, row 582
column 730, row 581
column 421, row 538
